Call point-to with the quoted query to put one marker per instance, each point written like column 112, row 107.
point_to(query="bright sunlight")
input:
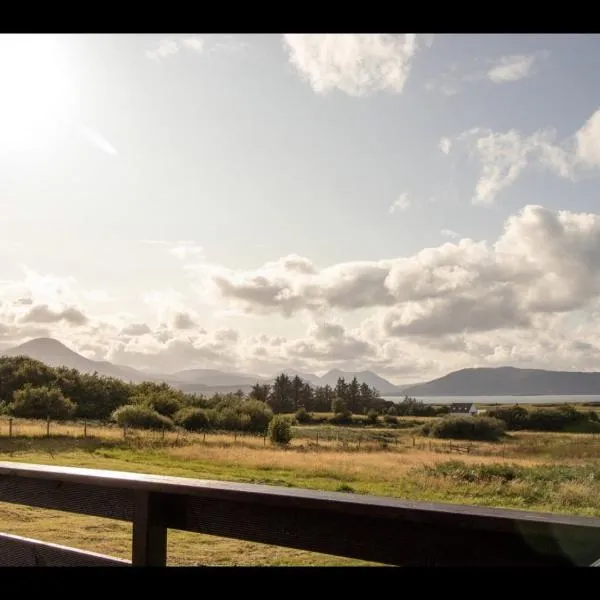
column 38, row 98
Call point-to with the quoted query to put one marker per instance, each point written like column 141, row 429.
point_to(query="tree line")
column 32, row 389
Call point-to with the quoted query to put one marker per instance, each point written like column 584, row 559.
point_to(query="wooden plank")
column 16, row 551
column 69, row 496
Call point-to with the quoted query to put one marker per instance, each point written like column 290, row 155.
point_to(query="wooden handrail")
column 380, row 529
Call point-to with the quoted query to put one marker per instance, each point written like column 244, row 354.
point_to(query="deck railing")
column 379, row 529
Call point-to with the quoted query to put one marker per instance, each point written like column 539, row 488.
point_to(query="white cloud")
column 504, row 156
column 164, row 49
column 401, row 203
column 587, row 141
column 449, row 233
column 357, row 64
column 512, row 68
column 499, row 70
column 194, row 43
column 445, row 145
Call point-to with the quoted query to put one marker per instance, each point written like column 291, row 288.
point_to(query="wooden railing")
column 372, row 528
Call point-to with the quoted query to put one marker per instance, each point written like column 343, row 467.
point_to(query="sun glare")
column 37, row 96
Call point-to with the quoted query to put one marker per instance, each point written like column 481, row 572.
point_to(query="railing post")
column 149, row 546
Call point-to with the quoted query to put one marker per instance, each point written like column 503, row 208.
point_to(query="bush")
column 372, row 417
column 40, row 403
column 302, row 416
column 340, row 408
column 255, row 415
column 280, row 430
column 162, row 402
column 229, row 419
column 390, row 419
column 141, row 417
column 192, row 419
column 515, row 417
column 468, row 428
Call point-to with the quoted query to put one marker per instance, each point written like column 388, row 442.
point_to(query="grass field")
column 533, row 471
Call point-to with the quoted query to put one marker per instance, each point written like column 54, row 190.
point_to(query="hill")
column 509, row 381
column 55, row 354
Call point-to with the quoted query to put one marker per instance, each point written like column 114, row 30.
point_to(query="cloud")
column 445, row 145
column 449, row 233
column 41, row 313
column 193, row 43
column 504, row 156
column 183, row 320
column 544, row 262
column 512, row 68
column 401, row 203
column 136, row 329
column 357, row 64
column 504, row 69
column 164, row 49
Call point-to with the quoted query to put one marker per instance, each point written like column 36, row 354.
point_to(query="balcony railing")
column 379, row 529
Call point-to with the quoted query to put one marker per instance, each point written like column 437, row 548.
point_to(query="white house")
column 463, row 408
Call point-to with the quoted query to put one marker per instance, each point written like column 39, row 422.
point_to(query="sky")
column 410, row 204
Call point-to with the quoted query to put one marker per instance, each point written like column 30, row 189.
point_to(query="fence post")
column 48, row 426
column 235, row 436
column 265, row 439
column 163, row 433
column 414, row 441
column 84, row 429
column 10, row 427
column 317, row 438
column 149, row 545
column 124, row 431
column 204, row 436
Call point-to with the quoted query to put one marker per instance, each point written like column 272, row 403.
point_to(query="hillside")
column 509, row 381
column 55, row 354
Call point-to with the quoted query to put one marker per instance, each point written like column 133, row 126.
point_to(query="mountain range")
column 499, row 381
column 54, row 353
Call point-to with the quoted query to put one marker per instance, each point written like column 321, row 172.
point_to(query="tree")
column 297, row 386
column 280, row 399
column 341, row 389
column 41, row 402
column 340, row 408
column 260, row 392
column 353, row 396
column 141, row 417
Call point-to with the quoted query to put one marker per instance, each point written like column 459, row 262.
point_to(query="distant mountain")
column 310, row 377
column 55, row 354
column 509, row 381
column 371, row 379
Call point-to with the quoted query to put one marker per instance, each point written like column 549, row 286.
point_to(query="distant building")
column 463, row 408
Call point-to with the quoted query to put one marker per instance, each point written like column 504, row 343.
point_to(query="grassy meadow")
column 553, row 472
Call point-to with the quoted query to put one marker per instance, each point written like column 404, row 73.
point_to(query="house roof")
column 461, row 406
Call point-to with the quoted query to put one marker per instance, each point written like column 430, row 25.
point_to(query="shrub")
column 468, row 428
column 390, row 419
column 302, row 416
column 280, row 430
column 340, row 408
column 372, row 417
column 192, row 419
column 229, row 419
column 392, row 410
column 141, row 417
column 255, row 415
column 41, row 402
column 160, row 401
column 515, row 417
